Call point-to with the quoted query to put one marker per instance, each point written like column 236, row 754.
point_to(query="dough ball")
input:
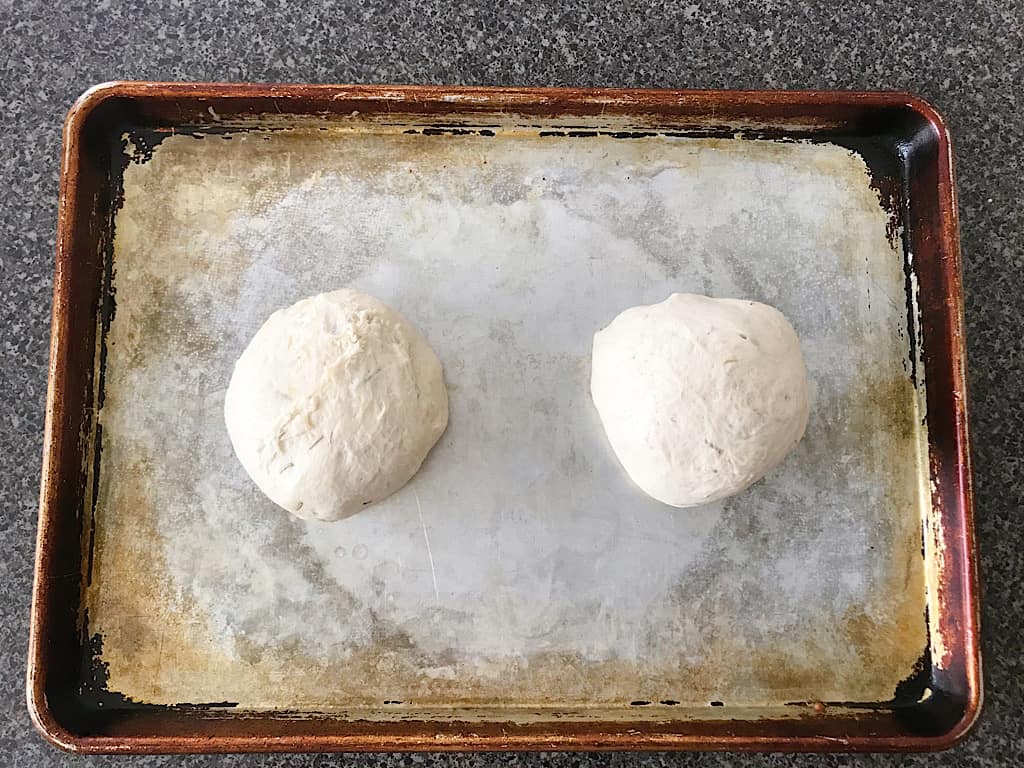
column 335, row 404
column 699, row 397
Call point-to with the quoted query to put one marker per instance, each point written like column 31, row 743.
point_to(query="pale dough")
column 335, row 404
column 699, row 397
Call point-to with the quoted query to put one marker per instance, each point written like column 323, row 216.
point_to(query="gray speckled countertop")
column 968, row 59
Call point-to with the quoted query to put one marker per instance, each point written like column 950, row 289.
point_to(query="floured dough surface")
column 335, row 404
column 699, row 397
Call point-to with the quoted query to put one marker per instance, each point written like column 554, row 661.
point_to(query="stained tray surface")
column 520, row 565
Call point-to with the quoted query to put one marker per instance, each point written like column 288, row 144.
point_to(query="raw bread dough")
column 335, row 404
column 699, row 397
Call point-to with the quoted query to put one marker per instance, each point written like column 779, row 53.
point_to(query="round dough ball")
column 699, row 397
column 334, row 404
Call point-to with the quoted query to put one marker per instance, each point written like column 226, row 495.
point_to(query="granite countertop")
column 967, row 59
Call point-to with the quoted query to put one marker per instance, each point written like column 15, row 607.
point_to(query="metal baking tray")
column 518, row 593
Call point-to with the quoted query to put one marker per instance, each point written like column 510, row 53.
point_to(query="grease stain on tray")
column 550, row 581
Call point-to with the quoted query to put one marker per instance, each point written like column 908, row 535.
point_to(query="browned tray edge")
column 959, row 577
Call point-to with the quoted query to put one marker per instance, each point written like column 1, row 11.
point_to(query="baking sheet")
column 519, row 567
